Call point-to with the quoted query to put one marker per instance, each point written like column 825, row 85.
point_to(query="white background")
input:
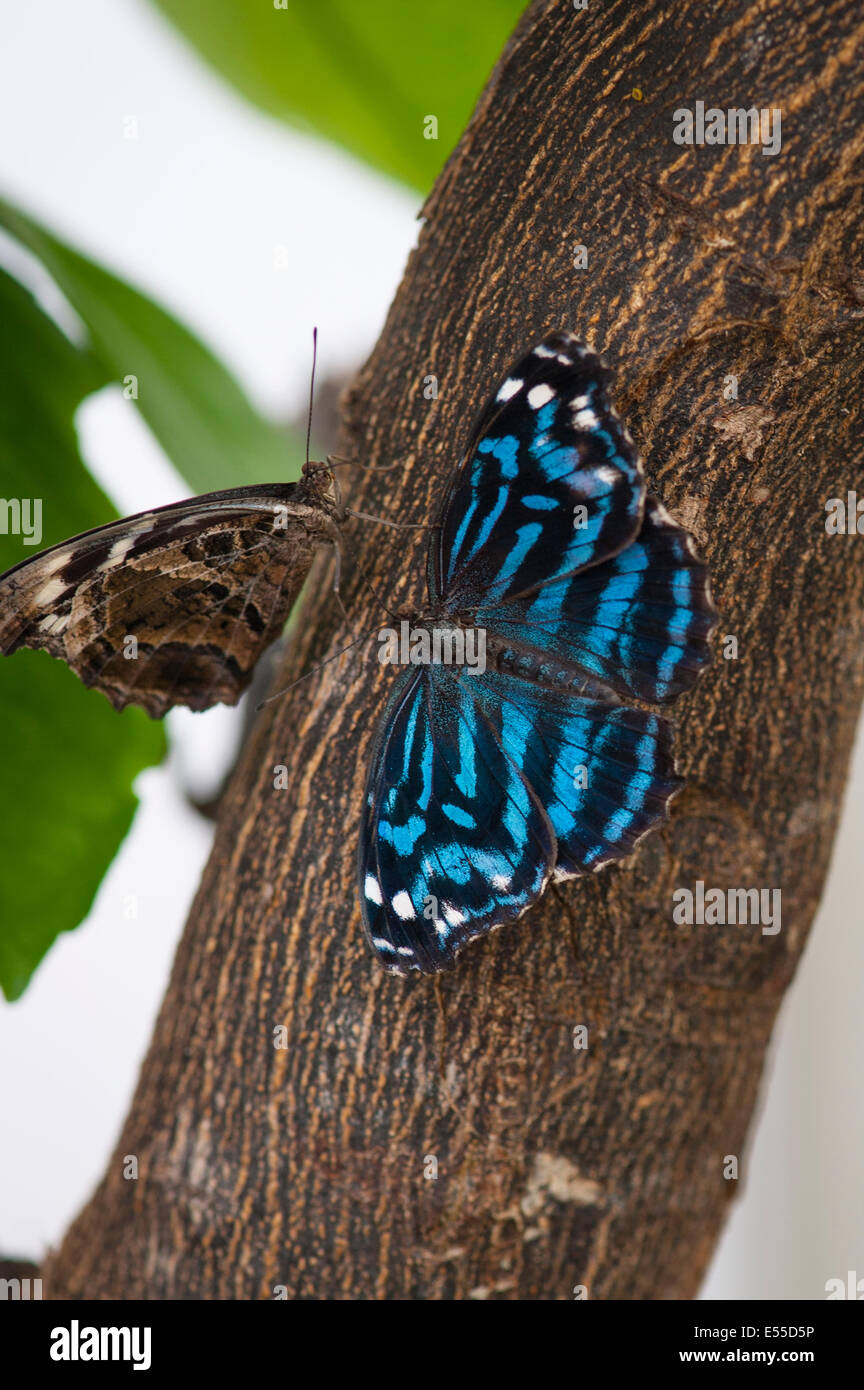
column 193, row 211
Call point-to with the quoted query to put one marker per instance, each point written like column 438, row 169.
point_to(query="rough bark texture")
column 307, row 1166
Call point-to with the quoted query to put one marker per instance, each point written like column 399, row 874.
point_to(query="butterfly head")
column 319, row 483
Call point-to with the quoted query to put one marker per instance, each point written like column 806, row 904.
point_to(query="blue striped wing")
column 454, row 841
column 484, row 787
column 639, row 621
column 550, row 482
column 604, row 773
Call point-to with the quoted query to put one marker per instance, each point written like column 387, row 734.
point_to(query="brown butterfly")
column 174, row 606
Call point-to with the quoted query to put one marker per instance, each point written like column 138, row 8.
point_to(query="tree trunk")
column 310, row 1166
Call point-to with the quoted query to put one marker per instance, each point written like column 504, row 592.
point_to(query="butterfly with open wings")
column 482, row 787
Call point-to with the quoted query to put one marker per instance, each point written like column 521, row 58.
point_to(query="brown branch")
column 556, row 1167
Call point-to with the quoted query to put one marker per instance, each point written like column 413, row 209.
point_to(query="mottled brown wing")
column 173, row 606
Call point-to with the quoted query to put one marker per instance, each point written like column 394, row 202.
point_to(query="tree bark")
column 310, row 1166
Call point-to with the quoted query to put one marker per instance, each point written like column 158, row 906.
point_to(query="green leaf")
column 196, row 409
column 365, row 76
column 68, row 759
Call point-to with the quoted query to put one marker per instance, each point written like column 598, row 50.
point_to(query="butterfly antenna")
column 311, row 390
column 312, row 669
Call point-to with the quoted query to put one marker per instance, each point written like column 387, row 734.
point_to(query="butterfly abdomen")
column 532, row 666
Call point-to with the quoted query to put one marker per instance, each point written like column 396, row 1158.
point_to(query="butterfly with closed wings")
column 202, row 587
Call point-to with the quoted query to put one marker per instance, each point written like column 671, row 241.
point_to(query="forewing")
column 550, row 483
column 173, row 606
column 454, row 841
column 640, row 621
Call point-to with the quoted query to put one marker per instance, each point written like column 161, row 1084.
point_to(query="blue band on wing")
column 604, row 773
column 454, row 840
column 640, row 621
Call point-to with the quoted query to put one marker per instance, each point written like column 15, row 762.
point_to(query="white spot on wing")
column 453, row 916
column 57, row 562
column 403, row 906
column 502, row 881
column 373, row 890
column 585, row 419
column 606, row 473
column 51, row 590
column 55, row 622
column 509, row 388
column 120, row 549
column 540, row 395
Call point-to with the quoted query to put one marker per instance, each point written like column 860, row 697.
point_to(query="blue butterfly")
column 484, row 787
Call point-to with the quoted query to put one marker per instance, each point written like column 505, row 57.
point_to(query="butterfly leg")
column 337, row 579
column 397, row 525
